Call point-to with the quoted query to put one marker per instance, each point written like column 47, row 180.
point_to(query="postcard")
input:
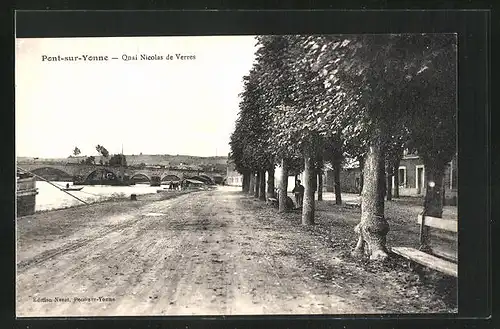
column 236, row 175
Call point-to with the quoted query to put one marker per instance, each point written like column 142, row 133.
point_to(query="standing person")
column 298, row 190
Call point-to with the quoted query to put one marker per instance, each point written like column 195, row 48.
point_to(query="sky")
column 148, row 106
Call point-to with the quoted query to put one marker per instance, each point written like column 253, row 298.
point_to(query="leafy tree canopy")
column 102, row 151
column 118, row 160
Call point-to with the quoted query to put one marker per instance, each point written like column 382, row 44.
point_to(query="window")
column 420, row 178
column 401, row 177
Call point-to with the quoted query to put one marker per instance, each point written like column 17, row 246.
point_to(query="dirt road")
column 205, row 253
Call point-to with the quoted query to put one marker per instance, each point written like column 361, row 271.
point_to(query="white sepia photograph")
column 236, row 175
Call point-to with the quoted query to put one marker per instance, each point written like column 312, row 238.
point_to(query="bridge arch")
column 101, row 173
column 51, row 172
column 207, row 178
column 140, row 174
column 201, row 179
column 170, row 177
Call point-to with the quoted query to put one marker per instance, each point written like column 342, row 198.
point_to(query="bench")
column 353, row 204
column 438, row 245
column 273, row 201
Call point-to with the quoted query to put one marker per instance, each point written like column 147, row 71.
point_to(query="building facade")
column 412, row 178
column 350, row 178
column 233, row 178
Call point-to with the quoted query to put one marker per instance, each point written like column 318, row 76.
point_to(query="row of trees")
column 114, row 160
column 309, row 100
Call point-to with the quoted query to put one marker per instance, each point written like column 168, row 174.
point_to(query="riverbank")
column 49, row 197
column 103, row 199
column 36, row 233
column 115, row 197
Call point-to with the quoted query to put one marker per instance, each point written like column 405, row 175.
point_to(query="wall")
column 348, row 183
column 349, row 180
column 26, row 196
column 410, row 164
column 26, row 205
column 410, row 188
column 452, row 174
column 329, row 181
column 234, row 180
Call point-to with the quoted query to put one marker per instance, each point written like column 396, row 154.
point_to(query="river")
column 49, row 197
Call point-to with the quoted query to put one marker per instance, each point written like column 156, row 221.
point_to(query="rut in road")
column 100, row 230
column 50, row 254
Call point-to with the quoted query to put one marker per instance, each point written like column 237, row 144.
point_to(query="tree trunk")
column 336, row 179
column 362, row 178
column 384, row 180
column 444, row 192
column 396, row 180
column 389, row 174
column 388, row 193
column 251, row 184
column 320, row 185
column 308, row 202
column 257, row 185
column 270, row 183
column 246, row 182
column 433, row 202
column 262, row 187
column 283, row 187
column 373, row 227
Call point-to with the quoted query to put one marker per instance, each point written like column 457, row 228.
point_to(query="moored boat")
column 26, row 194
column 73, row 188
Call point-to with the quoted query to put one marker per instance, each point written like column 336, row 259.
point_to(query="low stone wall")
column 26, row 205
column 26, row 196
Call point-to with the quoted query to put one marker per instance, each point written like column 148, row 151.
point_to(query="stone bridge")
column 85, row 171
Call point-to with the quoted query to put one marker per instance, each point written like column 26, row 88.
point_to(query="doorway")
column 419, row 179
